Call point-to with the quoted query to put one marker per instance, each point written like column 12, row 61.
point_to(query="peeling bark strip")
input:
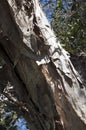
column 52, row 86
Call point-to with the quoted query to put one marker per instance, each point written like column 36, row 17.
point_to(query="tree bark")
column 36, row 74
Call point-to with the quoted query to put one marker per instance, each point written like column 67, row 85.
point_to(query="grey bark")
column 36, row 74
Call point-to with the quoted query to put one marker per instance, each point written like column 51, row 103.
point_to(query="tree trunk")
column 36, row 74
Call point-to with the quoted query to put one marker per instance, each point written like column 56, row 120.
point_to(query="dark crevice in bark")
column 10, row 70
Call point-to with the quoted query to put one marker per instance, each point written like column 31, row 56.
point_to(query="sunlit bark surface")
column 36, row 74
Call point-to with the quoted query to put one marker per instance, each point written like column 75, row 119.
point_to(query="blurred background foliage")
column 7, row 118
column 10, row 120
column 69, row 24
column 48, row 7
column 68, row 19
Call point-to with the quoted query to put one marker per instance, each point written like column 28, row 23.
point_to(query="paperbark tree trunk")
column 36, row 74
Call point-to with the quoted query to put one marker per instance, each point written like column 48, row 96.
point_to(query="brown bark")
column 46, row 89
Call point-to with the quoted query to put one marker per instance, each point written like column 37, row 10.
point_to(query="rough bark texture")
column 36, row 74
